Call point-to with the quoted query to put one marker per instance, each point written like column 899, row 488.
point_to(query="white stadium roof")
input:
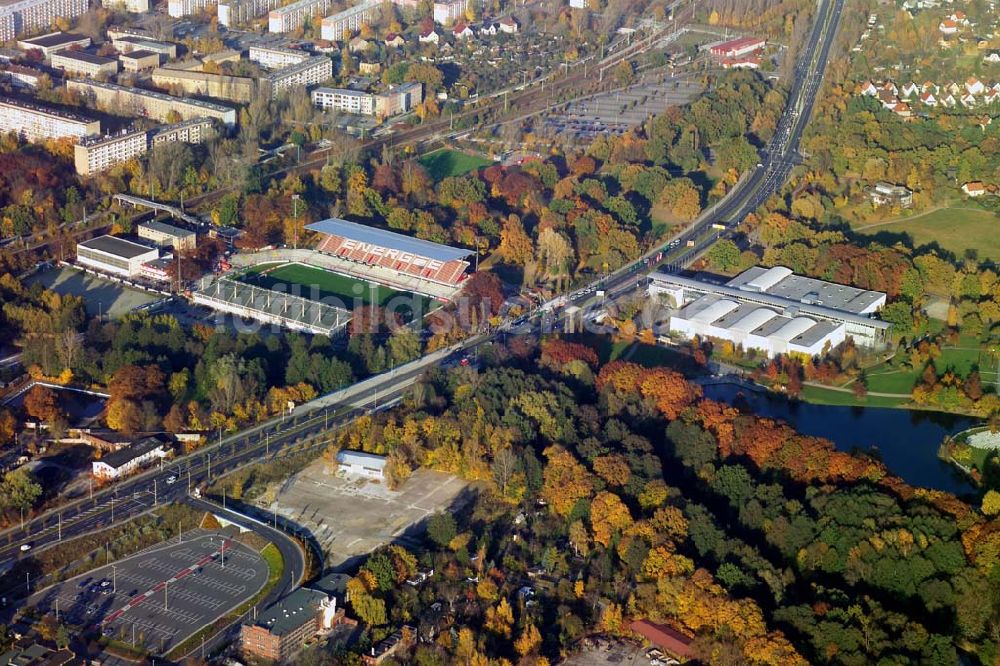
column 388, row 239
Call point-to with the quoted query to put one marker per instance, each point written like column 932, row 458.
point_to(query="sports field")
column 318, row 284
column 954, row 229
column 445, row 162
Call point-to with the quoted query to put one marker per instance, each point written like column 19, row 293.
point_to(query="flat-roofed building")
column 111, row 254
column 53, row 43
column 290, row 17
column 345, row 100
column 240, row 12
column 281, row 630
column 164, row 235
column 401, row 98
column 35, row 122
column 127, row 43
column 232, row 88
column 450, row 11
column 81, row 62
column 196, row 130
column 774, row 311
column 336, row 27
column 94, row 154
column 179, row 8
column 139, row 60
column 23, row 77
column 149, row 103
column 309, row 72
column 888, row 194
column 276, row 57
column 22, row 17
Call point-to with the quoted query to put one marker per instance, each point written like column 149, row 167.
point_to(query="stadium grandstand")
column 227, row 294
column 380, row 249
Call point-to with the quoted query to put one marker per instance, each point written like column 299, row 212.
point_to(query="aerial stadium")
column 317, row 290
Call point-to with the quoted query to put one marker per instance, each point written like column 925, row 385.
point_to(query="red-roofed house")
column 948, row 27
column 746, row 62
column 974, row 188
column 509, row 25
column 669, row 640
column 462, row 31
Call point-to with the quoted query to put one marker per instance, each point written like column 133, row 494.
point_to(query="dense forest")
column 639, row 498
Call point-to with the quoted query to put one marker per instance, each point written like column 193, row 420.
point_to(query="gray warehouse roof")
column 780, row 281
column 119, row 247
column 388, row 239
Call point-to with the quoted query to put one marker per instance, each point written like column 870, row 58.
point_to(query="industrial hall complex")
column 774, row 311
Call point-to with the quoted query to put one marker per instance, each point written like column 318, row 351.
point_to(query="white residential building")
column 335, row 27
column 35, row 122
column 179, row 8
column 121, row 463
column 449, row 11
column 309, row 72
column 28, row 16
column 275, row 57
column 98, row 153
column 240, row 12
column 290, row 17
column 342, row 99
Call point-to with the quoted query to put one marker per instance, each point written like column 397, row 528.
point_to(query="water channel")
column 907, row 441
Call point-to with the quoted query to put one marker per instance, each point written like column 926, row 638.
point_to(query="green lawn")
column 954, row 229
column 824, row 396
column 446, row 162
column 328, row 284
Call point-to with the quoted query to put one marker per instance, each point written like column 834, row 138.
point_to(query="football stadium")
column 317, row 290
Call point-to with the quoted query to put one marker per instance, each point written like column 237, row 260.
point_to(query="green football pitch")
column 316, row 283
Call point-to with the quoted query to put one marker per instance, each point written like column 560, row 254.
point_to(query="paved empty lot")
column 163, row 594
column 100, row 296
column 351, row 517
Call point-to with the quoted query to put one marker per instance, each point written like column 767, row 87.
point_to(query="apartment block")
column 99, row 153
column 179, row 8
column 137, row 61
column 345, row 100
column 274, row 57
column 149, row 103
column 396, row 100
column 290, row 17
column 195, row 130
column 232, row 88
column 53, row 43
column 164, row 235
column 85, row 64
column 450, row 11
column 35, row 122
column 309, row 72
column 335, row 27
column 21, row 76
column 240, row 12
column 125, row 43
column 27, row 16
column 399, row 99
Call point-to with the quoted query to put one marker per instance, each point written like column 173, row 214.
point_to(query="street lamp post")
column 295, row 218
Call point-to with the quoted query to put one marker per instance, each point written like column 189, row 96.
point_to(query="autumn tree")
column 42, row 403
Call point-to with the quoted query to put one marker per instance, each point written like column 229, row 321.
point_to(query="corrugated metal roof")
column 388, row 239
column 361, row 458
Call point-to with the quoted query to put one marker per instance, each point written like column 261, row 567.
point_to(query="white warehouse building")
column 358, row 463
column 773, row 311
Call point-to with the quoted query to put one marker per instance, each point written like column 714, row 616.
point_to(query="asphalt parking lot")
column 350, row 517
column 161, row 596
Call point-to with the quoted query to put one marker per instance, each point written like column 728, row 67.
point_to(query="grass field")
column 954, row 229
column 317, row 284
column 822, row 396
column 445, row 162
